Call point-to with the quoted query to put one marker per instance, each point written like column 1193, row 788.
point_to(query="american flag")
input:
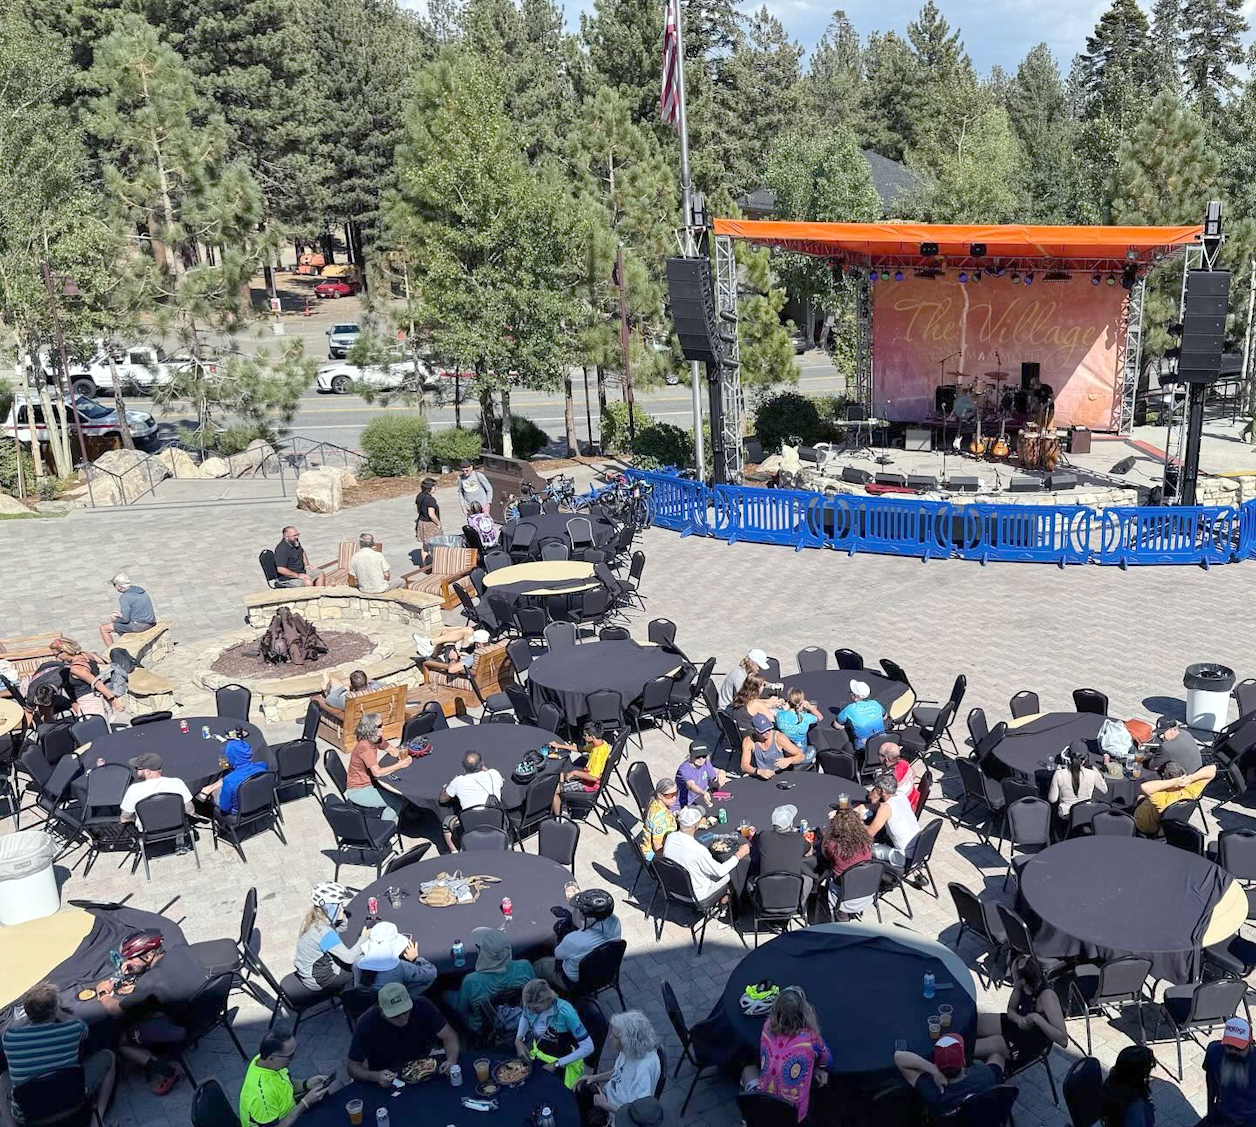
column 669, row 98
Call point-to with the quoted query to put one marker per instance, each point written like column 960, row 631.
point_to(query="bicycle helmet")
column 595, row 905
column 141, row 943
column 759, row 999
column 329, row 892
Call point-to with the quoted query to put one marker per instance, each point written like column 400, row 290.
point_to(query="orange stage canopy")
column 901, row 242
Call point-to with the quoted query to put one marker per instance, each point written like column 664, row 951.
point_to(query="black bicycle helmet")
column 594, row 904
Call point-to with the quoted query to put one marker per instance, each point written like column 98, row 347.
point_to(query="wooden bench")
column 29, row 653
column 492, row 672
column 338, row 725
column 148, row 644
column 336, row 572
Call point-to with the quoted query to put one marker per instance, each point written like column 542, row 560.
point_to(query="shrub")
column 235, row 439
column 8, row 468
column 526, row 437
column 663, row 444
column 395, row 445
column 6, row 400
column 451, row 445
column 615, row 426
column 791, row 417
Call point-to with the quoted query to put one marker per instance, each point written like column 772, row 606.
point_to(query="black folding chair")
column 1204, row 1005
column 695, row 1050
column 1116, row 823
column 640, row 785
column 531, row 623
column 857, row 882
column 644, row 864
column 1023, row 703
column 211, row 1108
column 538, row 803
column 554, row 550
column 762, row 1109
column 1027, row 822
column 258, row 807
column 101, row 814
column 917, row 867
column 334, row 768
column 978, row 729
column 560, row 636
column 353, row 829
column 558, row 839
column 976, row 918
column 152, row 718
column 161, row 818
column 484, row 839
column 980, row 792
column 296, row 768
column 599, row 970
column 848, row 659
column 233, row 702
column 991, row 1108
column 549, row 718
column 206, row 1011
column 812, row 659
column 409, row 857
column 521, row 542
column 677, row 888
column 839, row 763
column 1094, row 988
column 234, row 956
column 1083, row 1092
column 1182, row 835
column 1090, row 700
column 1079, row 816
column 56, row 1099
column 777, row 898
column 88, row 729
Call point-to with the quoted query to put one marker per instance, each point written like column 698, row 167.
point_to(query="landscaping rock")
column 180, row 463
column 215, row 467
column 11, row 505
column 347, row 478
column 131, row 474
column 250, row 459
column 55, row 506
column 319, row 491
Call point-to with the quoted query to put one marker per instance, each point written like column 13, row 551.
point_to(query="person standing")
column 269, row 1095
column 473, row 486
column 1230, row 1071
column 371, row 570
column 135, row 612
column 427, row 519
column 293, row 565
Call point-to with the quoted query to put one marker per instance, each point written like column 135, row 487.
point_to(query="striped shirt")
column 35, row 1049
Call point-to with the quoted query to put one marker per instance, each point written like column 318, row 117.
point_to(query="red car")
column 339, row 287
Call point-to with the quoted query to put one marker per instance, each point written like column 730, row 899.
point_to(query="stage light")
column 1131, row 255
column 928, row 250
column 977, row 250
column 1015, row 278
column 963, row 278
column 898, row 275
column 1029, row 278
column 1111, row 280
column 872, row 275
column 1094, row 279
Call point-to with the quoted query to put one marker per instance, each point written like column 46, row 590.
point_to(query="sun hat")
column 783, row 817
column 394, row 999
column 382, row 947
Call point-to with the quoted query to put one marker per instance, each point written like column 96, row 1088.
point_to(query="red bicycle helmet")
column 141, row 943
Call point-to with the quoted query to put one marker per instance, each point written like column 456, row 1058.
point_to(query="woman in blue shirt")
column 551, row 1032
column 796, row 719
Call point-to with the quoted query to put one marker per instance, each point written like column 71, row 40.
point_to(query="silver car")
column 341, row 338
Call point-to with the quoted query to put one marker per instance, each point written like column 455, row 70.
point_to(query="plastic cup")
column 843, row 802
column 354, row 1108
column 935, row 1028
column 944, row 1015
column 481, row 1070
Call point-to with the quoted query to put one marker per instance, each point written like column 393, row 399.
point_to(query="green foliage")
column 234, row 439
column 526, row 437
column 1212, row 47
column 664, row 444
column 395, row 445
column 9, row 468
column 614, row 426
column 767, row 347
column 797, row 419
column 451, row 445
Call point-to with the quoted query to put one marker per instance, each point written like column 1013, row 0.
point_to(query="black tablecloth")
column 502, row 746
column 534, row 885
column 553, row 526
column 1104, row 897
column 570, row 675
column 829, row 689
column 1035, row 747
column 435, row 1102
column 186, row 757
column 515, row 593
column 811, row 792
column 867, row 991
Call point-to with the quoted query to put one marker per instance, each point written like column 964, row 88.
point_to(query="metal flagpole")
column 691, row 242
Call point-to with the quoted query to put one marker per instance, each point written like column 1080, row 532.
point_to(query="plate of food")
column 512, row 1072
column 488, row 1090
column 418, row 1070
column 86, row 994
column 125, row 988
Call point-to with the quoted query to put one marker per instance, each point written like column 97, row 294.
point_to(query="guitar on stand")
column 1000, row 449
column 979, row 445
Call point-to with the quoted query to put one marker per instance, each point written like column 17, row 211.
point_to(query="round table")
column 501, row 746
column 553, row 526
column 437, row 1102
column 569, row 676
column 829, row 690
column 534, row 884
column 545, row 577
column 10, row 715
column 865, row 982
column 1032, row 746
column 1104, row 897
column 184, row 756
column 812, row 793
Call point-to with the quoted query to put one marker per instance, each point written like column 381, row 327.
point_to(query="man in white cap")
column 755, row 661
column 1230, row 1070
column 865, row 715
column 388, row 956
column 709, row 876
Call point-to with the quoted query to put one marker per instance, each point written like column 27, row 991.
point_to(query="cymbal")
column 996, row 376
column 965, row 375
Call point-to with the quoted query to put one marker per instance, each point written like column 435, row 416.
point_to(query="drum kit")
column 988, row 401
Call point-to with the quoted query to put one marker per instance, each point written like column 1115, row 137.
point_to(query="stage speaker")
column 890, row 479
column 1031, row 370
column 944, row 399
column 918, row 438
column 1062, row 481
column 1023, row 484
column 964, row 484
column 1123, row 466
column 1203, row 325
column 855, row 475
column 1079, row 441
column 693, row 308
column 922, row 481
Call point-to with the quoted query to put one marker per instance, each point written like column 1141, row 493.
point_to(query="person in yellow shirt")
column 579, row 786
column 1174, row 785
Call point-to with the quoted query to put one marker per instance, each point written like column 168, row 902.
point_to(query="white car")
column 341, row 338
column 98, row 421
column 141, row 368
column 341, row 376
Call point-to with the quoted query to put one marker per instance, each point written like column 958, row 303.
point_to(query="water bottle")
column 929, row 982
column 459, row 953
column 381, row 1117
column 546, row 1118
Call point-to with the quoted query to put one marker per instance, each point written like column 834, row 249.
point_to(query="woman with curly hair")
column 634, row 1075
column 844, row 845
column 792, row 1053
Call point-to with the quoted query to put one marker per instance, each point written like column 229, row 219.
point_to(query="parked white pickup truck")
column 141, row 368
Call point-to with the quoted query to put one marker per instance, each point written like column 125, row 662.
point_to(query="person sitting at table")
column 395, row 1031
column 385, row 955
column 633, row 1075
column 496, row 970
column 893, row 813
column 551, row 1031
column 782, row 849
column 91, row 695
column 147, row 767
column 364, row 769
column 749, row 702
column 239, row 753
column 660, row 816
column 1174, row 785
column 268, row 1094
column 795, row 719
column 590, row 923
column 891, row 755
column 943, row 1083
column 322, row 960
column 845, row 844
column 164, row 979
column 370, row 570
column 755, row 661
column 1077, row 781
column 478, row 785
column 1125, row 1099
column 792, row 1052
column 708, row 876
column 865, row 715
column 579, row 783
column 336, row 693
column 1230, row 1074
column 1177, row 745
column 47, row 1040
column 486, row 528
column 1032, row 1023
column 767, row 751
column 697, row 776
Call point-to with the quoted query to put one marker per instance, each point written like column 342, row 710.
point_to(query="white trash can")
column 28, row 881
column 1208, row 688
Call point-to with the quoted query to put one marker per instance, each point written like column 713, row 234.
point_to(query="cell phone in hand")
column 329, row 1079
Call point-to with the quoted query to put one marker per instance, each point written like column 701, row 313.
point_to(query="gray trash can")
column 1208, row 688
column 28, row 881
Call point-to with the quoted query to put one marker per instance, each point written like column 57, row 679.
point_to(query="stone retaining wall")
column 416, row 610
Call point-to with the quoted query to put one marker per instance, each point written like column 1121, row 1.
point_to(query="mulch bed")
column 342, row 646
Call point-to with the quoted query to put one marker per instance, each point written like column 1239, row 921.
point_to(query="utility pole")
column 624, row 343
column 66, row 388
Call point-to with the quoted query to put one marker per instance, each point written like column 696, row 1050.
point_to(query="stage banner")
column 925, row 330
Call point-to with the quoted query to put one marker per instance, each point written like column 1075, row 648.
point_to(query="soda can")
column 372, row 906
column 802, row 825
column 183, row 727
column 723, row 816
column 204, row 731
column 507, row 906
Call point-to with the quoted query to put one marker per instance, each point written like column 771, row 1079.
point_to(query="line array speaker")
column 1203, row 325
column 693, row 308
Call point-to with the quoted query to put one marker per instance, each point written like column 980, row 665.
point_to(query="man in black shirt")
column 782, row 849
column 944, row 1083
column 397, row 1030
column 293, row 564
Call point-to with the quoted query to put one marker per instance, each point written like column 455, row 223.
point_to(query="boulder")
column 249, row 460
column 347, row 478
column 56, row 506
column 215, row 467
column 319, row 491
column 11, row 505
column 129, row 474
column 180, row 463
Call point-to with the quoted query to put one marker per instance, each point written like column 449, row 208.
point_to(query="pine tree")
column 894, row 94
column 1165, row 47
column 765, row 342
column 835, row 87
column 1115, row 68
column 624, row 39
column 1212, row 33
column 1037, row 108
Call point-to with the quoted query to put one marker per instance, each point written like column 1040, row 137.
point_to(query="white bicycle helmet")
column 329, row 892
column 757, row 1000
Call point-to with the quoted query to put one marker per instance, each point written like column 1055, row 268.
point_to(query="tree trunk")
column 508, row 446
column 569, row 415
column 124, row 428
column 601, row 389
column 488, row 419
column 329, row 247
column 54, row 424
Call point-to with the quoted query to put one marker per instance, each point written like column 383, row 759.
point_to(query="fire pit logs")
column 290, row 638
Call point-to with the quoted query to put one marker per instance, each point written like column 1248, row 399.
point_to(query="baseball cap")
column 948, row 1054
column 699, row 750
column 1238, row 1033
column 860, row 689
column 689, row 816
column 146, row 761
column 758, row 657
column 783, row 817
column 761, row 723
column 480, row 637
column 394, row 1000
